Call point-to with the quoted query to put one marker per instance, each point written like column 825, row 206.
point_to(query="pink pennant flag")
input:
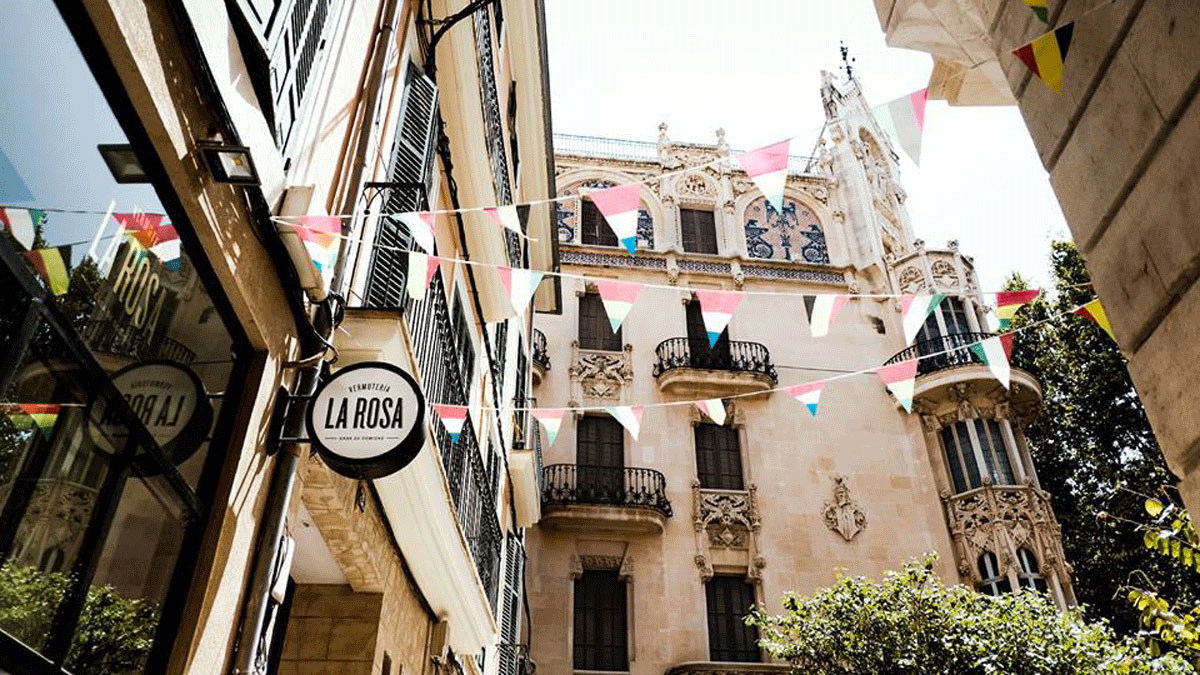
column 899, row 379
column 825, row 310
column 618, row 298
column 421, row 269
column 619, row 205
column 136, row 222
column 320, row 237
column 808, row 393
column 630, row 417
column 420, row 226
column 904, row 119
column 454, row 417
column 713, row 409
column 551, row 419
column 520, row 284
column 717, row 308
column 507, row 216
column 767, row 167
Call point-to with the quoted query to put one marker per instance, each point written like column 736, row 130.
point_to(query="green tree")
column 1093, row 447
column 910, row 623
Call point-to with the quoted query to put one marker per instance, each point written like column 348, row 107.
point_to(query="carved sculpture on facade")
column 726, row 519
column 599, row 374
column 842, row 514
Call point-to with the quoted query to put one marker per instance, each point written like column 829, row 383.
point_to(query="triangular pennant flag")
column 713, row 409
column 1040, row 9
column 12, row 188
column 618, row 298
column 520, row 284
column 507, row 216
column 453, row 417
column 51, row 263
column 1006, row 341
column 899, row 379
column 767, row 167
column 825, row 309
column 162, row 241
column 551, row 419
column 1046, row 55
column 808, row 393
column 620, row 205
column 42, row 415
column 138, row 222
column 992, row 352
column 904, row 119
column 717, row 308
column 916, row 308
column 1008, row 303
column 320, row 235
column 420, row 226
column 630, row 417
column 1095, row 311
column 22, row 223
column 421, row 269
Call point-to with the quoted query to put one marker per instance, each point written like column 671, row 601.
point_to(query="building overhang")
column 943, row 387
column 603, row 518
column 704, row 383
column 523, row 471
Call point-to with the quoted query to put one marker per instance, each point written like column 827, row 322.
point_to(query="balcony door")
column 600, row 456
column 703, row 356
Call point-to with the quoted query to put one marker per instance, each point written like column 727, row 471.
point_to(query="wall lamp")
column 123, row 162
column 229, row 163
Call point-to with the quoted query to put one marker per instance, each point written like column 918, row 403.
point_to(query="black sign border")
column 387, row 462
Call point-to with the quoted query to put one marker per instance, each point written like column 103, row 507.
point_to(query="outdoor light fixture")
column 229, row 163
column 122, row 161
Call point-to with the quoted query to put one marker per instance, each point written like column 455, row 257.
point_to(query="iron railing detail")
column 739, row 356
column 540, row 355
column 953, row 351
column 571, row 484
column 494, row 126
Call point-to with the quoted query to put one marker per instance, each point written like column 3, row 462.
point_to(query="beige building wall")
column 1119, row 145
column 858, row 489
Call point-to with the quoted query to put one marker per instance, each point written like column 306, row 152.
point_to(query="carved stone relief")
column 727, row 520
column 842, row 514
column 599, row 374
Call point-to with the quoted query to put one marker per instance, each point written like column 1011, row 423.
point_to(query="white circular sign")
column 366, row 421
column 169, row 401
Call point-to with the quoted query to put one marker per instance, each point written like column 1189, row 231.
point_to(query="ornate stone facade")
column 842, row 514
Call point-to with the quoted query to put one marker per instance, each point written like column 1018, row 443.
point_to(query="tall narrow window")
column 993, row 581
column 600, row 624
column 595, row 331
column 974, row 450
column 593, row 228
column 600, row 459
column 510, row 620
column 729, row 638
column 718, row 457
column 699, row 229
column 465, row 350
column 1031, row 575
column 716, row 357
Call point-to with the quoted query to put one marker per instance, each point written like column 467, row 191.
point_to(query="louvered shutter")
column 412, row 172
column 718, row 457
column 510, row 621
column 729, row 599
column 699, row 231
column 595, row 331
column 293, row 59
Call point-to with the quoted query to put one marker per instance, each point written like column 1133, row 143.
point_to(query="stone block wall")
column 331, row 631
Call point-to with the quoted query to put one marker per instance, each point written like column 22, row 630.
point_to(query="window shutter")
column 699, row 229
column 718, row 457
column 594, row 229
column 412, row 168
column 293, row 58
column 600, row 633
column 595, row 331
column 510, row 621
column 729, row 599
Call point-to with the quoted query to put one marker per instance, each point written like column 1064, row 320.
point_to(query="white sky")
column 619, row 67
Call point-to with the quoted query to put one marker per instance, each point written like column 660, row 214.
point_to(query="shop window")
column 718, row 457
column 993, row 581
column 699, row 229
column 600, row 635
column 975, row 449
column 595, row 331
column 729, row 599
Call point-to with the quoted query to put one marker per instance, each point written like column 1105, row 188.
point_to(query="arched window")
column 993, row 581
column 1030, row 576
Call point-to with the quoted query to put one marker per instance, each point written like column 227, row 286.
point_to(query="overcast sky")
column 619, row 67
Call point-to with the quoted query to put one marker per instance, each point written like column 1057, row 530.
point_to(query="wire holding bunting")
column 768, row 168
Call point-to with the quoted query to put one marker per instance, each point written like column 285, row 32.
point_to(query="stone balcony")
column 541, row 358
column 737, row 368
column 727, row 668
column 947, row 367
column 604, row 499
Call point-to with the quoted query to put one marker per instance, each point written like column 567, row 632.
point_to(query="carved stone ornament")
column 599, row 374
column 694, row 185
column 842, row 514
column 726, row 519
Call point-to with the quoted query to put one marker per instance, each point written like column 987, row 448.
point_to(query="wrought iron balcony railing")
column 738, row 356
column 571, row 484
column 540, row 356
column 953, row 351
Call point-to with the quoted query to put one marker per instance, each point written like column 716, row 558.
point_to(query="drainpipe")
column 249, row 655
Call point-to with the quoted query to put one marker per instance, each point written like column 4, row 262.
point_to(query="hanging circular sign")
column 167, row 398
column 367, row 420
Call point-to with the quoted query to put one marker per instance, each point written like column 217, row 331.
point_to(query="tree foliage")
column 1176, row 625
column 910, row 623
column 1093, row 447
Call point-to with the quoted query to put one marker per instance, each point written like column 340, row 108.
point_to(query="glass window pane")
column 967, row 453
column 950, row 446
column 992, row 446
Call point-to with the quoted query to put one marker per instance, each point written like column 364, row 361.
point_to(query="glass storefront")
column 115, row 363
